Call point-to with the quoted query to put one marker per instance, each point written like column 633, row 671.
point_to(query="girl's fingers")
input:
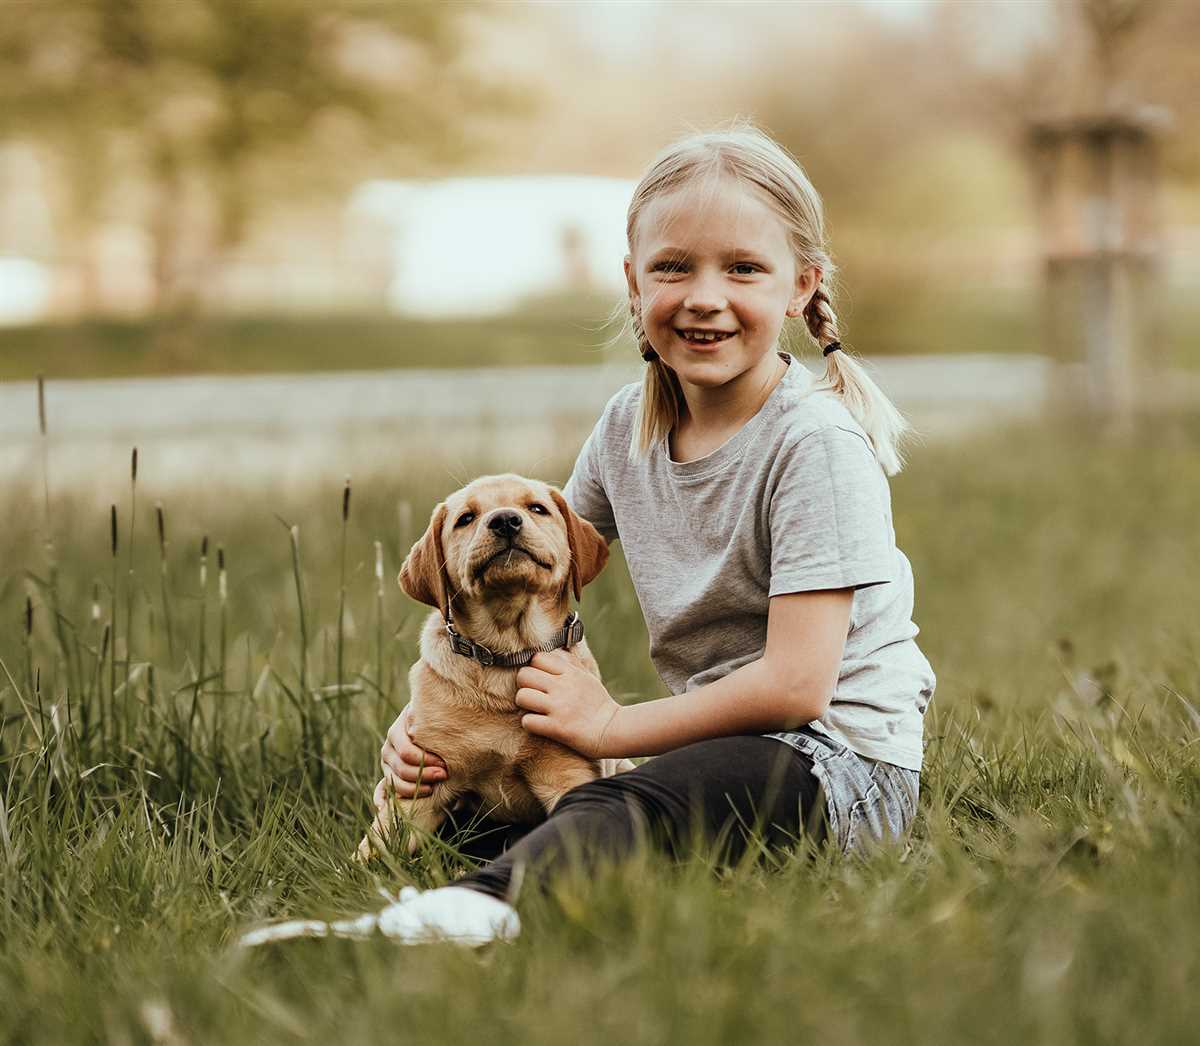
column 432, row 774
column 537, row 724
column 391, row 787
column 392, row 764
column 402, row 747
column 412, row 753
column 533, row 700
column 534, row 677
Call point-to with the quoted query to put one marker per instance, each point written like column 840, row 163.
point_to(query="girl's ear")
column 423, row 575
column 589, row 551
column 631, row 279
column 807, row 282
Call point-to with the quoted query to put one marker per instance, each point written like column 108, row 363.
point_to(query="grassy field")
column 562, row 332
column 164, row 792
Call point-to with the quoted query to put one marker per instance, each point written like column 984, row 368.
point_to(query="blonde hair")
column 756, row 160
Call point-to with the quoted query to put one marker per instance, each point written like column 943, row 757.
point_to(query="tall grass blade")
column 379, row 624
column 130, row 586
column 109, row 716
column 198, row 684
column 341, row 624
column 166, row 602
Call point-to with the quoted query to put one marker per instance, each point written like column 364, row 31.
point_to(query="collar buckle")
column 460, row 644
column 572, row 630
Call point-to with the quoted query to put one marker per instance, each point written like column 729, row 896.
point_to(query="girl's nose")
column 705, row 295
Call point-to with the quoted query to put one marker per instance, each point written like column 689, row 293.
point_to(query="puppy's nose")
column 505, row 523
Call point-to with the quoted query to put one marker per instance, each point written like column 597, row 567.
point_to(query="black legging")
column 718, row 790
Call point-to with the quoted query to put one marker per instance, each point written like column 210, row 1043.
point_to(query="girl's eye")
column 673, row 265
column 745, row 269
column 541, row 510
column 464, row 519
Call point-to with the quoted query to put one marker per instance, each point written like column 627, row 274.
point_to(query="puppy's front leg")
column 554, row 771
column 423, row 816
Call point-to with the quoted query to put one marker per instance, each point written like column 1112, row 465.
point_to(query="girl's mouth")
column 698, row 337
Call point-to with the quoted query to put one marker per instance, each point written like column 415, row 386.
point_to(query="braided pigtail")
column 845, row 376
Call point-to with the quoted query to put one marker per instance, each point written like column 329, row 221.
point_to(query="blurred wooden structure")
column 1096, row 187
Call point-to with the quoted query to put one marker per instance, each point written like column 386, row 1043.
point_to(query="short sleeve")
column 829, row 517
column 585, row 491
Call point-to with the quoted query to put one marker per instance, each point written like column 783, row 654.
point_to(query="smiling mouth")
column 509, row 552
column 698, row 336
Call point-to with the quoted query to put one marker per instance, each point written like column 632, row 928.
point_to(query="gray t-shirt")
column 793, row 502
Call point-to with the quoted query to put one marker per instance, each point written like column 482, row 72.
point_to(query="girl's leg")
column 720, row 789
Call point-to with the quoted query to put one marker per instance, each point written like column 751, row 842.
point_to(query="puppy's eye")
column 541, row 510
column 464, row 519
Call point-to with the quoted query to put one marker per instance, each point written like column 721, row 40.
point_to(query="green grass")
column 1047, row 893
column 552, row 332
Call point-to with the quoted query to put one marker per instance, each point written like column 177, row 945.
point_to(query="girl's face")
column 713, row 277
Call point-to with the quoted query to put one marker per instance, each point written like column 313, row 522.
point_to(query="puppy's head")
column 500, row 536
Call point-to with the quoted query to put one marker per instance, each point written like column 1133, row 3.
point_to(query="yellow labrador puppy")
column 499, row 561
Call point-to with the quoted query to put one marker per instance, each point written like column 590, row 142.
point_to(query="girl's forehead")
column 724, row 215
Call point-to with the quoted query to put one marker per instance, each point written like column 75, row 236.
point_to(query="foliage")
column 230, row 96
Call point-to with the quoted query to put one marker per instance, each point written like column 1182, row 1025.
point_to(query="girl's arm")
column 791, row 684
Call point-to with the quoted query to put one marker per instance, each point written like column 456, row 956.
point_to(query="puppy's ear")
column 589, row 551
column 423, row 575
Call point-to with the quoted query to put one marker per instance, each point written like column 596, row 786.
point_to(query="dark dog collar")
column 565, row 638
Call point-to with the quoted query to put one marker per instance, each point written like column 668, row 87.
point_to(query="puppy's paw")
column 374, row 843
column 365, row 853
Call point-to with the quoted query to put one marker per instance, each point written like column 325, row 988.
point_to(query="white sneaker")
column 449, row 913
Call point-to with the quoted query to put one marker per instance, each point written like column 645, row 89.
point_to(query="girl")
column 754, row 513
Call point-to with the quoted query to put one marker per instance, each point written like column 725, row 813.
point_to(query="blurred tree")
column 248, row 102
column 1077, row 54
column 915, row 129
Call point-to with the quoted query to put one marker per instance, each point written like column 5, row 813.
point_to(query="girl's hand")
column 565, row 703
column 401, row 760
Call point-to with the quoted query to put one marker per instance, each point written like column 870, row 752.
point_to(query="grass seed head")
column 28, row 617
column 162, row 527
column 346, row 501
column 113, row 520
column 41, row 404
column 133, row 466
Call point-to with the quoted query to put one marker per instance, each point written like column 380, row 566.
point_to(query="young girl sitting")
column 754, row 512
